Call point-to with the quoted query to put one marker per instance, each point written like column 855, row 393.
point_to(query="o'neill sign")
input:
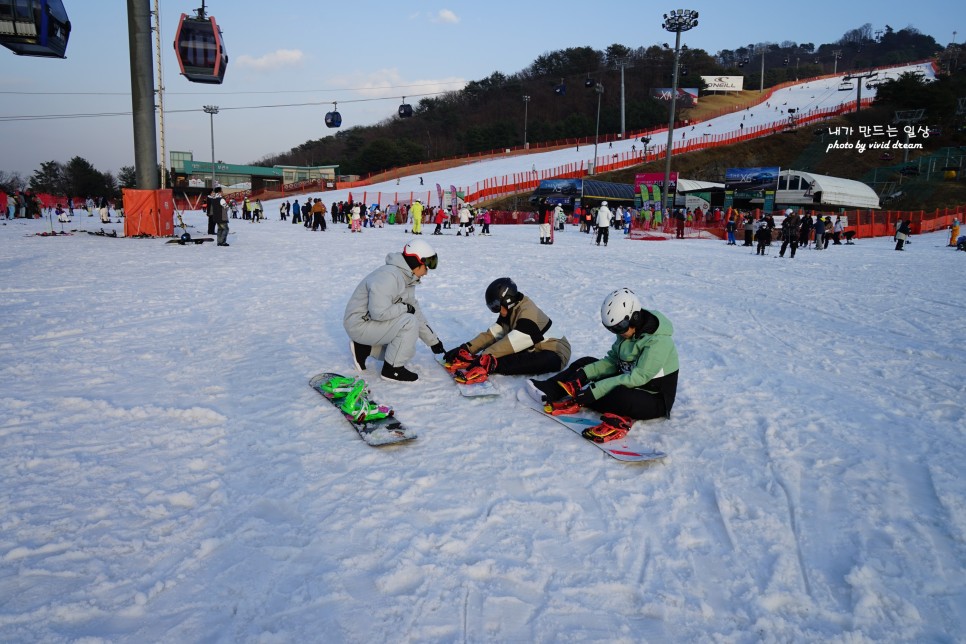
column 724, row 83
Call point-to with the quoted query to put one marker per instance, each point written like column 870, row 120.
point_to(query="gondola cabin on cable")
column 333, row 118
column 405, row 110
column 34, row 27
column 201, row 48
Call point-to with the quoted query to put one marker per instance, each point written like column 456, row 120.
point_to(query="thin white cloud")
column 384, row 83
column 446, row 16
column 272, row 61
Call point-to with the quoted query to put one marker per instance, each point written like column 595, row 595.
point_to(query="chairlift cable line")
column 45, row 117
column 276, row 92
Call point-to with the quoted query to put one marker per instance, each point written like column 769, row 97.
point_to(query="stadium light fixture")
column 526, row 103
column 676, row 21
column 211, row 110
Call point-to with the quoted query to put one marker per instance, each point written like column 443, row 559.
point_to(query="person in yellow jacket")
column 416, row 212
column 954, row 233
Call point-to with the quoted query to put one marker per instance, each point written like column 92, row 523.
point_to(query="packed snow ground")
column 168, row 475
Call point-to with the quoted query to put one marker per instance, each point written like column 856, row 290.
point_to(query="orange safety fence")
column 148, row 213
column 864, row 223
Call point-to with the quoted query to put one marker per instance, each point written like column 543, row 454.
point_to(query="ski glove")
column 585, row 397
column 571, row 387
column 438, row 348
column 477, row 372
column 452, row 354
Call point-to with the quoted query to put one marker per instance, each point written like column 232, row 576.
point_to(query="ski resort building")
column 190, row 176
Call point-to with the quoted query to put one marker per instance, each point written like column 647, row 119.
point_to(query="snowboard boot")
column 612, row 427
column 535, row 391
column 544, row 390
column 359, row 354
column 397, row 374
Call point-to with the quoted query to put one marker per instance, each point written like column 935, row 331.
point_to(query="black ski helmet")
column 501, row 292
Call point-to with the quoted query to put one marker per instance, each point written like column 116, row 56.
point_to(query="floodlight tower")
column 622, row 62
column 599, row 88
column 211, row 110
column 676, row 21
column 526, row 105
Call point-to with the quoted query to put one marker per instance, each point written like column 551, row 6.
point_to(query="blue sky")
column 366, row 56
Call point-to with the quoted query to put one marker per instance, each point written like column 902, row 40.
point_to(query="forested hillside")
column 488, row 114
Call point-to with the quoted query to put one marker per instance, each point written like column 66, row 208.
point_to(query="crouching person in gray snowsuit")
column 383, row 318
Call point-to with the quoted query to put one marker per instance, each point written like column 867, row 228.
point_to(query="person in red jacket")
column 544, row 217
column 440, row 217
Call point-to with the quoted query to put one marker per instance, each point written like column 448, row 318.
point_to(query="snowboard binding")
column 477, row 372
column 462, row 360
column 357, row 405
column 561, row 407
column 339, row 386
column 612, row 428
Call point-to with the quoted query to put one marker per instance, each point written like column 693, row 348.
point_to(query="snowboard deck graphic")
column 383, row 431
column 625, row 449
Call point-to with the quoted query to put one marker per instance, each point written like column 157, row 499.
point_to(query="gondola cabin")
column 34, row 27
column 333, row 119
column 201, row 49
column 405, row 111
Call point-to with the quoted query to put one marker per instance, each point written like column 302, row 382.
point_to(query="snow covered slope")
column 168, row 475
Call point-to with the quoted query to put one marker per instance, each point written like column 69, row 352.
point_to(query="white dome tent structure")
column 799, row 188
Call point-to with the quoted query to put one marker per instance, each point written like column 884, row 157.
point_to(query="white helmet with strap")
column 621, row 310
column 419, row 253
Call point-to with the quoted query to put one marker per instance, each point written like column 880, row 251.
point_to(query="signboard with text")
column 724, row 83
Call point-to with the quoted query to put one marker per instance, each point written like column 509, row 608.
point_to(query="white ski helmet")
column 419, row 253
column 789, row 212
column 620, row 311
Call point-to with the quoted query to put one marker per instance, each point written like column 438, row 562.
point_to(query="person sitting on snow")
column 636, row 380
column 517, row 343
